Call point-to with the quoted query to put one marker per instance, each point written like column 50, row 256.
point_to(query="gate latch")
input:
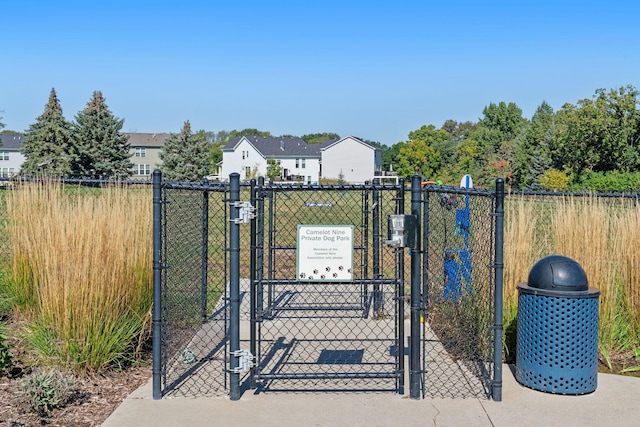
column 247, row 212
column 246, row 361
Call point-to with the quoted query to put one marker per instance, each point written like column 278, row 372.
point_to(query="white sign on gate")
column 325, row 253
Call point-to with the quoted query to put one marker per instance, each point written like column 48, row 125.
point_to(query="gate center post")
column 414, row 349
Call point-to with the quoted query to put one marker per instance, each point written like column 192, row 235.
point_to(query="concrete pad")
column 297, row 409
column 613, row 403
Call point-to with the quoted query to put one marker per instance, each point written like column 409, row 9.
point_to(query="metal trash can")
column 557, row 341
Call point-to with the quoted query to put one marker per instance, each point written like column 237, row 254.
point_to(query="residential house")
column 11, row 158
column 352, row 159
column 145, row 152
column 249, row 156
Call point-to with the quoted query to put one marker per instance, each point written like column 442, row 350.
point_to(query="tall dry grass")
column 81, row 270
column 602, row 235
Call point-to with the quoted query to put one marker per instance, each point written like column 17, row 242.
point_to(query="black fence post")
column 399, row 252
column 260, row 251
column 414, row 350
column 252, row 284
column 204, row 281
column 234, row 287
column 377, row 294
column 157, row 285
column 496, row 388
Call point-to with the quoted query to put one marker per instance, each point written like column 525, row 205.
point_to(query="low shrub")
column 45, row 390
column 6, row 357
column 610, row 182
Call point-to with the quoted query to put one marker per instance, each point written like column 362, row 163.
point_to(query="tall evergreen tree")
column 539, row 132
column 98, row 148
column 540, row 163
column 185, row 156
column 47, row 142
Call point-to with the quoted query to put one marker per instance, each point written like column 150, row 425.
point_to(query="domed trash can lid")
column 558, row 275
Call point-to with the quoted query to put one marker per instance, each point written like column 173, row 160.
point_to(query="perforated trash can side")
column 557, row 341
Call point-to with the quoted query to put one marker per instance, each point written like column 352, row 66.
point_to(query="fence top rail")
column 76, row 181
column 459, row 190
column 572, row 194
column 193, row 185
column 329, row 187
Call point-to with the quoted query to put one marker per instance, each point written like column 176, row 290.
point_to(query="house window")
column 4, row 155
column 297, row 163
column 139, row 169
column 247, row 172
column 245, row 155
column 6, row 172
column 141, row 152
column 303, row 163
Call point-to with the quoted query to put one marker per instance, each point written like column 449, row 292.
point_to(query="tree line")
column 94, row 146
column 590, row 145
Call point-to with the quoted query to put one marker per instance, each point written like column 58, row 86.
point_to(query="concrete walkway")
column 616, row 402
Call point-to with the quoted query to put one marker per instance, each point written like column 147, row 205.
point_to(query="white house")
column 249, row 156
column 11, row 158
column 351, row 158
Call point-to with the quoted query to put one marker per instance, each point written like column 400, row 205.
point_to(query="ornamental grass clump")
column 81, row 271
column 602, row 235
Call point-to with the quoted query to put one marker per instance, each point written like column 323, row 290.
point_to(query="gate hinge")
column 247, row 212
column 246, row 361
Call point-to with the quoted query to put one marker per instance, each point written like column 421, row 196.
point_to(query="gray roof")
column 11, row 140
column 277, row 146
column 15, row 140
column 147, row 139
column 360, row 140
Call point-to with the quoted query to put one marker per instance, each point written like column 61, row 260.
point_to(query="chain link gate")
column 462, row 292
column 190, row 307
column 309, row 329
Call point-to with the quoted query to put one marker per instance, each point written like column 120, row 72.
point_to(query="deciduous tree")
column 318, row 138
column 274, row 170
column 419, row 155
column 600, row 134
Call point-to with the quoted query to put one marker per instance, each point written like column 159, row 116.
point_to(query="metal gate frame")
column 470, row 295
column 264, row 301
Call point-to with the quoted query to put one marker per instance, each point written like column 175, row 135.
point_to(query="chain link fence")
column 458, row 286
column 539, row 216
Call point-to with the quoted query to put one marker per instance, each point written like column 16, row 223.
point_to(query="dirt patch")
column 95, row 397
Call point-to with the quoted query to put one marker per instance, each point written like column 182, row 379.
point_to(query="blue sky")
column 373, row 69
